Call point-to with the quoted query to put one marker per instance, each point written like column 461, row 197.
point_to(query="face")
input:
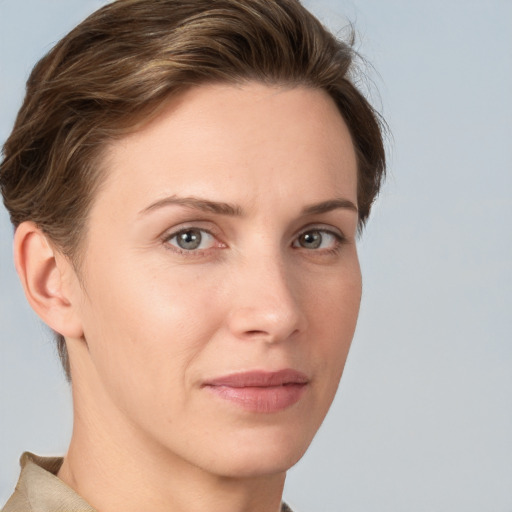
column 221, row 282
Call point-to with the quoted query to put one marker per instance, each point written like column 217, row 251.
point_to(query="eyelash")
column 339, row 240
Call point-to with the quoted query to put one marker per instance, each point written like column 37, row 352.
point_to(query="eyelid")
column 199, row 224
column 325, row 228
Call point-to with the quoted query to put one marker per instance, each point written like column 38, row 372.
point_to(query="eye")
column 191, row 239
column 317, row 239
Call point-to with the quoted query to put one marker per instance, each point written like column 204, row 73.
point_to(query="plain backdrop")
column 423, row 418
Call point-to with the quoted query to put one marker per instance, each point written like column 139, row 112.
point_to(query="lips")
column 260, row 391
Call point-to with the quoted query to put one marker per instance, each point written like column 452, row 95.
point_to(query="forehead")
column 246, row 139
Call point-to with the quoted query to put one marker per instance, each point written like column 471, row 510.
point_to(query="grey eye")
column 189, row 240
column 317, row 239
column 311, row 239
column 192, row 239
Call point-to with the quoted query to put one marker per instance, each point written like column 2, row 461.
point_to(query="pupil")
column 189, row 239
column 311, row 240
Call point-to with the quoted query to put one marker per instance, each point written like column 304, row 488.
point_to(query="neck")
column 115, row 467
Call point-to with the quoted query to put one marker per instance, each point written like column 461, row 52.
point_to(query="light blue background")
column 423, row 420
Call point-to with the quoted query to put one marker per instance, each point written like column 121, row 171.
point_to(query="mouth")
column 260, row 391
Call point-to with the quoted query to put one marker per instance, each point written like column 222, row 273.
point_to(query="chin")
column 259, row 454
column 255, row 465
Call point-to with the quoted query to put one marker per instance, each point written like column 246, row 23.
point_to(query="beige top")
column 39, row 489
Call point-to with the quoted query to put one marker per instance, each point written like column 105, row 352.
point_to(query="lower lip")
column 266, row 399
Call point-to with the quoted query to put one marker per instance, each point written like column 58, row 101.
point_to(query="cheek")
column 337, row 297
column 147, row 326
column 335, row 314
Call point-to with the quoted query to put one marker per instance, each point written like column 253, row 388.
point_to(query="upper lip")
column 259, row 378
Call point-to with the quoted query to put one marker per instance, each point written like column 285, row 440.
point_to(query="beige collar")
column 40, row 490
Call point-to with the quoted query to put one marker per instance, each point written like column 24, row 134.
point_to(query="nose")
column 266, row 302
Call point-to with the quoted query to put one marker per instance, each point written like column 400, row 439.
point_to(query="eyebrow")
column 328, row 206
column 198, row 204
column 234, row 210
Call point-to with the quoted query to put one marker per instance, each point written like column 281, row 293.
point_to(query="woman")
column 187, row 180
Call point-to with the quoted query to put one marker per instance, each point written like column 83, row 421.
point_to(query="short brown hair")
column 118, row 66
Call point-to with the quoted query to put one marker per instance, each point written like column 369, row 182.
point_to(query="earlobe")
column 44, row 274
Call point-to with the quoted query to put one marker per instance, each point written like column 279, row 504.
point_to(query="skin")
column 148, row 322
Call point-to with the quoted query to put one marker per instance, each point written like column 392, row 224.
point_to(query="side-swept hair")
column 114, row 71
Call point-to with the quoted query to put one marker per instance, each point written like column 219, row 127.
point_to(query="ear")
column 49, row 280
